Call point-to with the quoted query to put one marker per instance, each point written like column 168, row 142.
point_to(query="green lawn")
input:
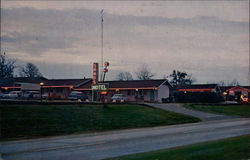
column 236, row 110
column 237, row 148
column 47, row 120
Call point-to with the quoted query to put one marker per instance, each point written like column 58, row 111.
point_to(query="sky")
column 208, row 39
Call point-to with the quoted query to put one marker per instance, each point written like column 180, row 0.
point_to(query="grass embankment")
column 234, row 110
column 48, row 120
column 237, row 148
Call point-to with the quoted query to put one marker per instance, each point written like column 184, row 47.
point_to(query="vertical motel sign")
column 95, row 73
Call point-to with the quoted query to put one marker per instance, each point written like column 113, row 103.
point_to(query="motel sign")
column 100, row 87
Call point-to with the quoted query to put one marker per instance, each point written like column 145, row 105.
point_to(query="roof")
column 12, row 81
column 66, row 82
column 47, row 82
column 131, row 84
column 198, row 86
column 226, row 88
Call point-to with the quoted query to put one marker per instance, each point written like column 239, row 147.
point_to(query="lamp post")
column 41, row 84
column 136, row 95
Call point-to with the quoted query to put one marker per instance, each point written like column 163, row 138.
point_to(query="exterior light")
column 41, row 84
column 6, row 88
column 117, row 90
column 136, row 90
column 224, row 93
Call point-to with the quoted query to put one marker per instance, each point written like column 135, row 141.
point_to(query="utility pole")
column 101, row 43
column 249, row 70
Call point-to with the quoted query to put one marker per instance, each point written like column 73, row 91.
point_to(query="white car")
column 13, row 94
column 119, row 98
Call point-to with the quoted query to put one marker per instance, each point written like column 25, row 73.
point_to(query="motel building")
column 236, row 93
column 133, row 90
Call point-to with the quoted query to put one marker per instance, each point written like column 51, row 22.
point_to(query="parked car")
column 76, row 95
column 119, row 98
column 32, row 95
column 45, row 96
column 13, row 95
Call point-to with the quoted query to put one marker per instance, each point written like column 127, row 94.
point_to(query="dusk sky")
column 208, row 39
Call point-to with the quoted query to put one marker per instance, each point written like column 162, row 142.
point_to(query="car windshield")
column 14, row 92
column 118, row 95
column 75, row 93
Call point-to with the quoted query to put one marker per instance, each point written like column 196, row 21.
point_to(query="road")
column 102, row 145
column 177, row 108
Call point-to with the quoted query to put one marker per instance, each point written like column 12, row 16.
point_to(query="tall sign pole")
column 95, row 81
column 101, row 42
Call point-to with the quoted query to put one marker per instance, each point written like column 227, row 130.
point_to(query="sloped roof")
column 226, row 88
column 130, row 84
column 47, row 82
column 12, row 81
column 198, row 86
column 66, row 82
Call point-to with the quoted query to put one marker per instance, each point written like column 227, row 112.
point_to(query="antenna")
column 101, row 43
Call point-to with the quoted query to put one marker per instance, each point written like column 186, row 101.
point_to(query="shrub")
column 167, row 100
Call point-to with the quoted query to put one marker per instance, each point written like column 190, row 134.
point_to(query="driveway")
column 96, row 146
column 177, row 108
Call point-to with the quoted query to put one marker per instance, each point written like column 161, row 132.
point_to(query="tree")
column 221, row 83
column 124, row 76
column 7, row 67
column 180, row 78
column 144, row 73
column 30, row 70
column 233, row 83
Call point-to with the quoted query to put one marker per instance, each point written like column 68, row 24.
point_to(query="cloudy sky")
column 208, row 39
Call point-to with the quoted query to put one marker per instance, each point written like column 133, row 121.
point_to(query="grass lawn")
column 237, row 148
column 31, row 121
column 236, row 110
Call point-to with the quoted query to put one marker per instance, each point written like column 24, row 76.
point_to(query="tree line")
column 176, row 78
column 7, row 67
column 144, row 73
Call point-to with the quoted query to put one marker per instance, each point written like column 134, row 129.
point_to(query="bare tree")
column 144, row 73
column 7, row 67
column 124, row 76
column 30, row 70
column 221, row 83
column 233, row 83
column 181, row 78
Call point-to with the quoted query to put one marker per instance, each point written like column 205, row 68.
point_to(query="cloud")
column 71, row 38
column 226, row 10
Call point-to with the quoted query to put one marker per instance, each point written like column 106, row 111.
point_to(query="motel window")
column 129, row 92
column 132, row 92
column 59, row 90
column 141, row 92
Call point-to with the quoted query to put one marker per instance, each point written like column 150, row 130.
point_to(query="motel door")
column 152, row 95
